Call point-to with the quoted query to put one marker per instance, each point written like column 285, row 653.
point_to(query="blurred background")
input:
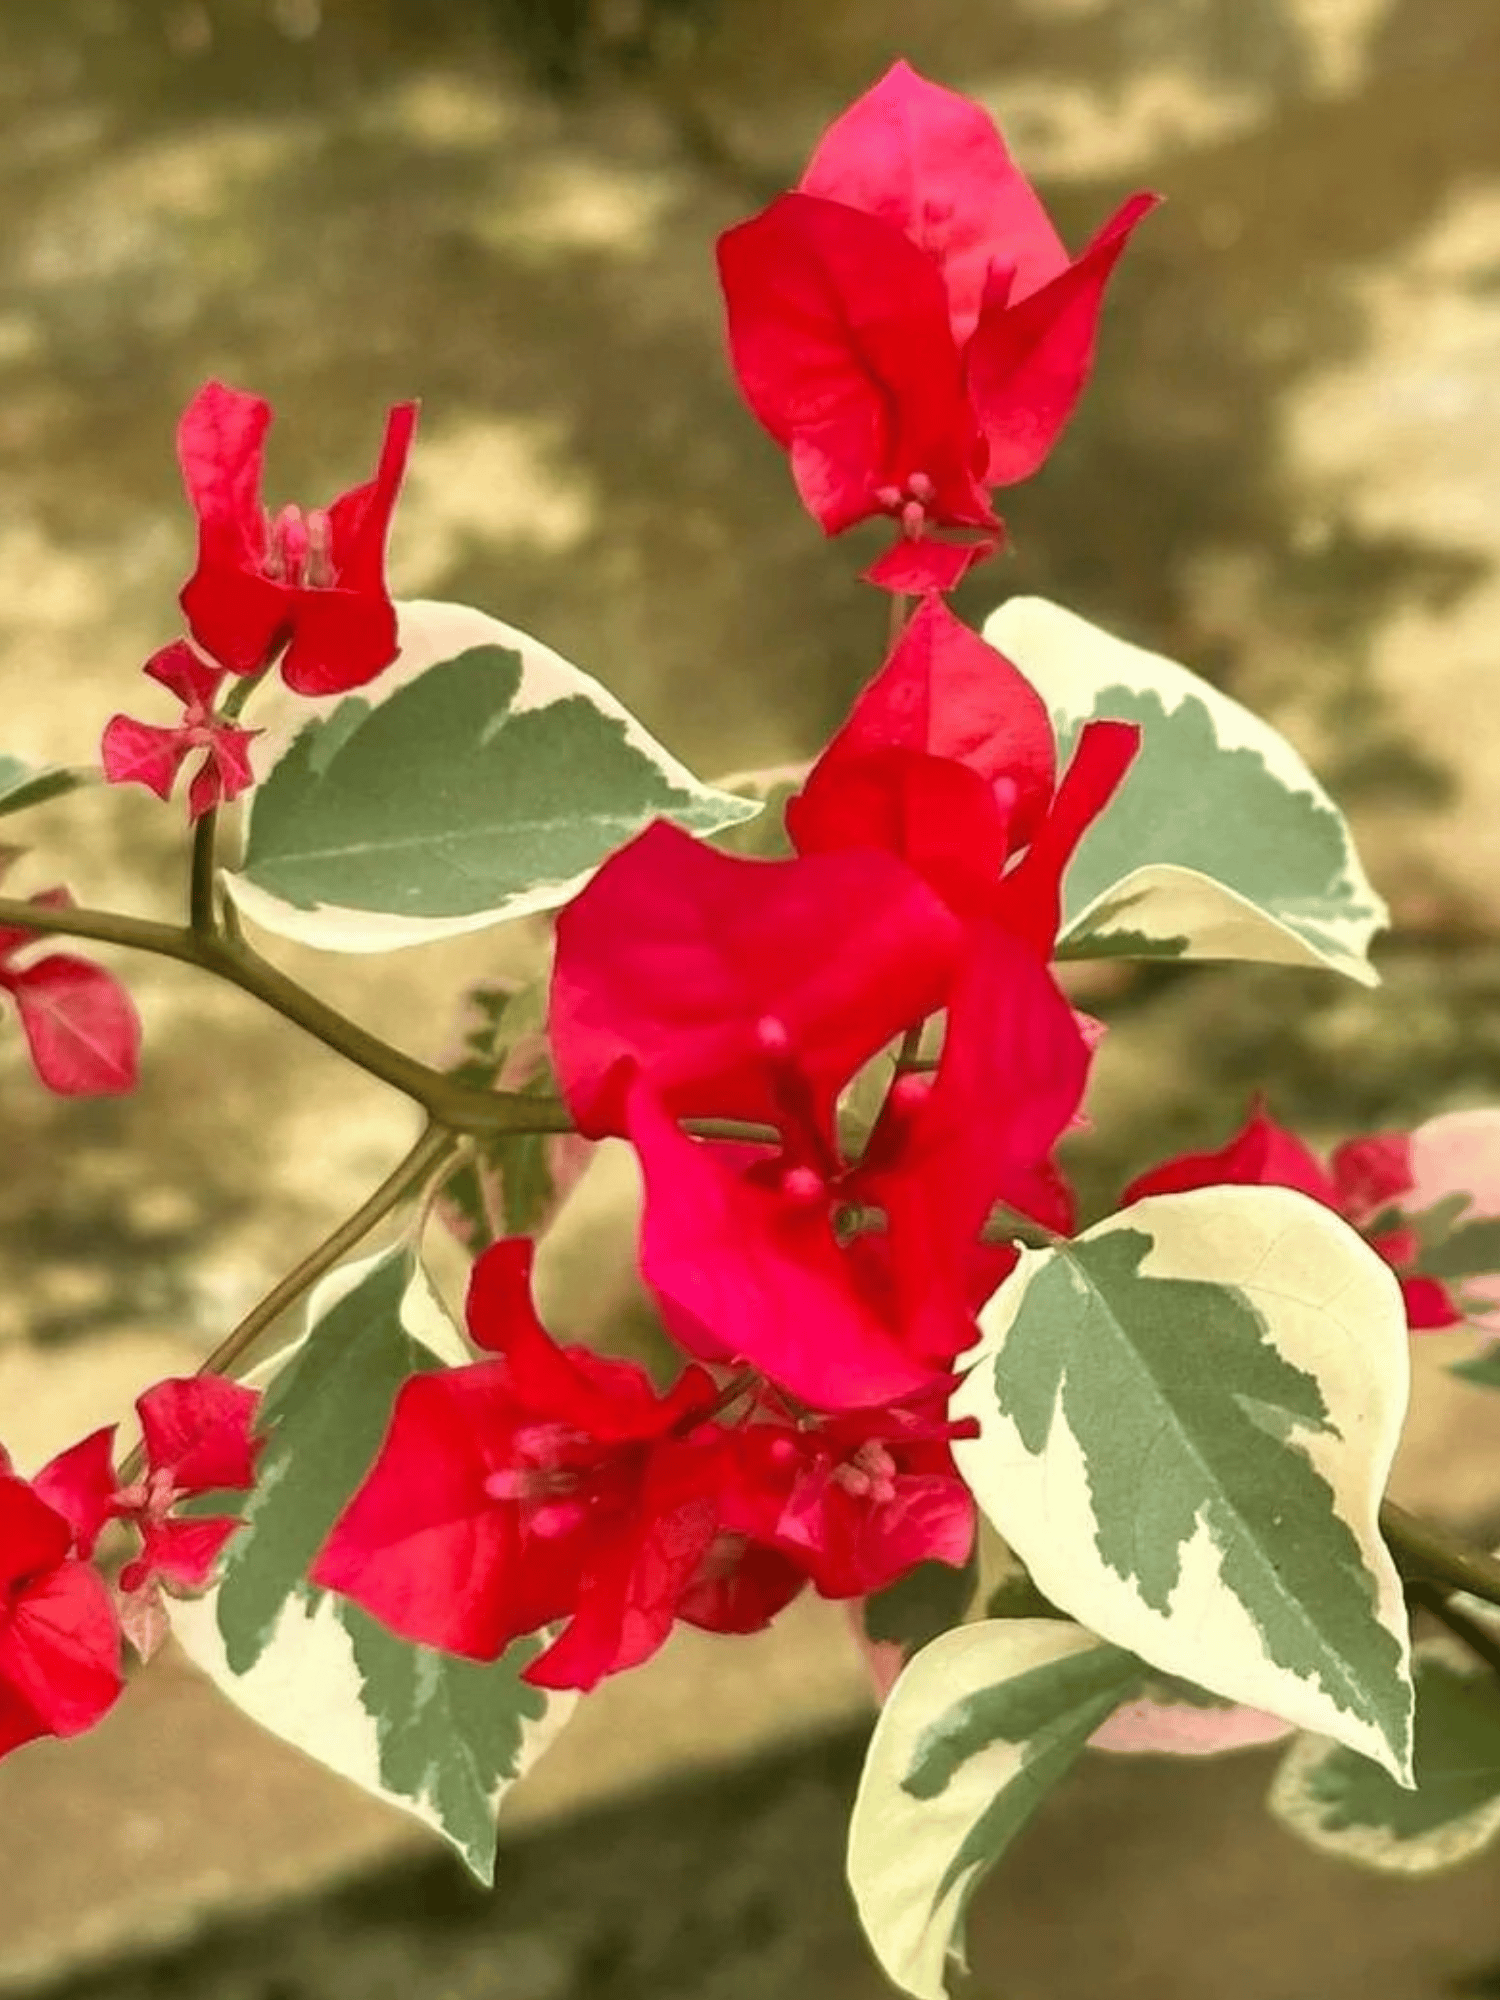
column 1287, row 474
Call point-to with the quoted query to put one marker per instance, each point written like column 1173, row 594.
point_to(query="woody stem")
column 459, row 1107
column 432, row 1151
column 201, row 914
column 1481, row 1643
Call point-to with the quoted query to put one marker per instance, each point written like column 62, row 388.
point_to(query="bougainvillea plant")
column 1115, row 1481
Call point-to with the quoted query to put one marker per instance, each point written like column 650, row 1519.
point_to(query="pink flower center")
column 150, row 1499
column 558, row 1476
column 909, row 503
column 869, row 1474
column 299, row 548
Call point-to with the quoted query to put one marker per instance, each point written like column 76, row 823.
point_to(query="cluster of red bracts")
column 822, row 1295
column 305, row 586
column 60, row 1625
column 1364, row 1182
column 909, row 328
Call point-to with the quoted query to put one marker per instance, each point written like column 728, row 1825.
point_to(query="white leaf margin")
column 306, row 1686
column 1261, row 1241
column 1071, row 661
column 430, row 633
column 900, row 1846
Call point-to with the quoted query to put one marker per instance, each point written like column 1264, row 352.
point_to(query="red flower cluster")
column 1363, row 1182
column 307, row 585
column 823, row 1291
column 908, row 326
column 59, row 1626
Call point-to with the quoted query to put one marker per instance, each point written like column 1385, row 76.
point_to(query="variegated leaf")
column 1187, row 1418
column 23, row 785
column 442, row 1738
column 976, row 1732
column 511, row 1183
column 1220, row 843
column 480, row 778
column 763, row 838
column 1348, row 1808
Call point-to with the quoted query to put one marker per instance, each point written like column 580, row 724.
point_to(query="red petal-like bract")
column 315, row 585
column 1030, row 359
column 858, row 1500
column 59, row 1639
column 197, row 1429
column 1372, row 1172
column 675, row 956
column 1261, row 1153
column 182, row 1552
column 1368, row 1176
column 946, row 691
column 1029, row 899
column 1009, row 1081
column 908, row 325
column 142, row 753
column 543, row 1485
column 744, row 1273
column 934, row 166
column 941, row 819
column 839, row 334
column 82, row 1029
column 80, row 1484
column 917, row 567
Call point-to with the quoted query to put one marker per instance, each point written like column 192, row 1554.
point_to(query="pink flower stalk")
column 311, row 581
column 144, row 753
column 908, row 326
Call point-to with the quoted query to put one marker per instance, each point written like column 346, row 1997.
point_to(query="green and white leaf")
column 1187, row 1420
column 480, row 778
column 444, row 1739
column 1349, row 1809
column 977, row 1731
column 1220, row 843
column 23, row 784
column 930, row 1599
column 510, row 1183
column 763, row 838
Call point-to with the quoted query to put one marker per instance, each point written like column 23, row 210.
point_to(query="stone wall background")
column 1285, row 473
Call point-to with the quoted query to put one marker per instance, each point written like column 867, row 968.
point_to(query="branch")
column 435, row 1147
column 1481, row 1643
column 201, row 913
column 1426, row 1551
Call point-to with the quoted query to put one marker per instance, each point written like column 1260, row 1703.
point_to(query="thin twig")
column 1481, row 1643
column 430, row 1152
column 1431, row 1553
column 482, row 1113
column 201, row 911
